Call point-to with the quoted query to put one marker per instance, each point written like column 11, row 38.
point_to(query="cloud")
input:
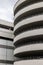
column 6, row 9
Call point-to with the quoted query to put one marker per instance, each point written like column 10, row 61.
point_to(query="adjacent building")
column 28, row 31
column 6, row 43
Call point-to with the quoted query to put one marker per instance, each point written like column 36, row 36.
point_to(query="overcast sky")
column 6, row 9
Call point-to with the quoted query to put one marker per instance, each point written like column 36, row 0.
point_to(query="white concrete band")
column 30, row 62
column 6, row 33
column 3, row 22
column 3, row 42
column 28, row 34
column 31, row 47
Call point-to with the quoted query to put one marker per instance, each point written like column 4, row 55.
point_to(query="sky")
column 6, row 10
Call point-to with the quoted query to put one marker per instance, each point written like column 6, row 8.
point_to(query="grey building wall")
column 6, row 43
column 28, row 31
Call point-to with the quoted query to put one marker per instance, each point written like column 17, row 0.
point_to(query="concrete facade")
column 28, row 31
column 6, row 43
